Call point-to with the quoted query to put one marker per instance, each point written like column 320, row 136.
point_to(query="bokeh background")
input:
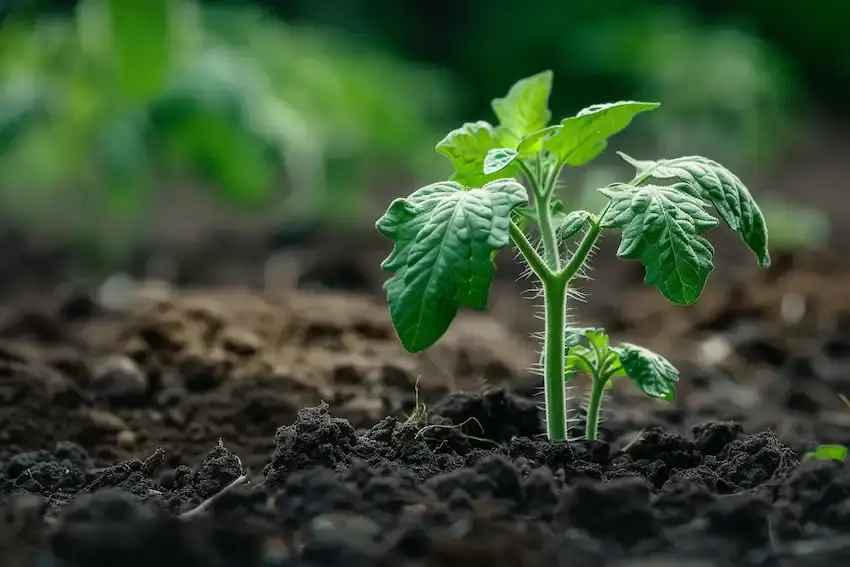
column 139, row 137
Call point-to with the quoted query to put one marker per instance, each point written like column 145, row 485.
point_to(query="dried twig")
column 206, row 504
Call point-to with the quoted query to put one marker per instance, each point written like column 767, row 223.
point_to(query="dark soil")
column 291, row 419
column 407, row 493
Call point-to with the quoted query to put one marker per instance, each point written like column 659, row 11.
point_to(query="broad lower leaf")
column 651, row 373
column 572, row 223
column 661, row 228
column 533, row 143
column 444, row 236
column 498, row 159
column 719, row 186
column 141, row 35
column 467, row 148
column 584, row 136
column 525, row 109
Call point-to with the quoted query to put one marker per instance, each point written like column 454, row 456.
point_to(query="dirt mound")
column 185, row 370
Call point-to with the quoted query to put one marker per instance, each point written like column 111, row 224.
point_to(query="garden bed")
column 113, row 424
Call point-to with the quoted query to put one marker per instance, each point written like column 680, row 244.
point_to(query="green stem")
column 584, row 248
column 551, row 180
column 592, row 423
column 538, row 266
column 555, row 304
column 544, row 213
column 541, row 190
column 533, row 180
column 547, row 234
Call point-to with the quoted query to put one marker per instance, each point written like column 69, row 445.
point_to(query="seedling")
column 827, row 453
column 446, row 235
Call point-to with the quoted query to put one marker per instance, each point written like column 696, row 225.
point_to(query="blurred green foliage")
column 99, row 108
column 104, row 101
column 725, row 91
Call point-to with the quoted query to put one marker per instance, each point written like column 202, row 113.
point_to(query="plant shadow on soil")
column 115, row 426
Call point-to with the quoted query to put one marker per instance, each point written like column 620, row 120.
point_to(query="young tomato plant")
column 447, row 234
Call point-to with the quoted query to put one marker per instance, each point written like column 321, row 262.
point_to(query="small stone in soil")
column 126, row 439
column 120, row 379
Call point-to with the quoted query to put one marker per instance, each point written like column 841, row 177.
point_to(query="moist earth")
column 235, row 427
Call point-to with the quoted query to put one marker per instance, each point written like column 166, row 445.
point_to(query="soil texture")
column 228, row 426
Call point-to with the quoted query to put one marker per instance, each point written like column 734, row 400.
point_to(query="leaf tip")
column 547, row 74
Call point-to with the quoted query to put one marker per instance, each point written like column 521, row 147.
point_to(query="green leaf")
column 651, row 373
column 533, row 143
column 467, row 148
column 714, row 183
column 507, row 138
column 498, row 159
column 575, row 335
column 525, row 109
column 578, row 358
column 598, row 339
column 587, row 357
column 572, row 223
column 584, row 136
column 661, row 228
column 613, row 366
column 141, row 35
column 828, row 453
column 444, row 236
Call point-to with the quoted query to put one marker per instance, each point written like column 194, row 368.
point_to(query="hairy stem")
column 547, row 234
column 555, row 304
column 592, row 422
column 537, row 264
column 580, row 257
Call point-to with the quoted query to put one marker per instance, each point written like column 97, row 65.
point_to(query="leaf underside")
column 444, row 237
column 661, row 227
